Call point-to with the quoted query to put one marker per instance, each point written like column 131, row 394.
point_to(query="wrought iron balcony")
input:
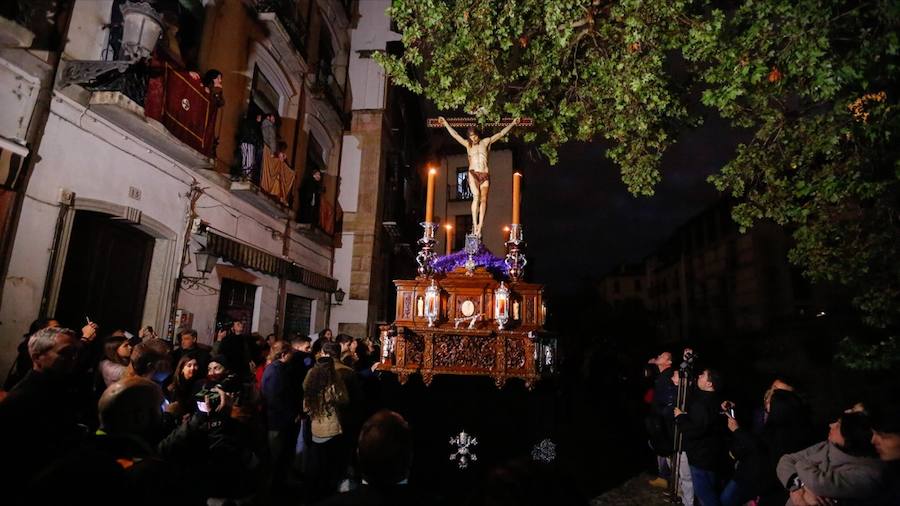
column 291, row 19
column 327, row 86
column 160, row 105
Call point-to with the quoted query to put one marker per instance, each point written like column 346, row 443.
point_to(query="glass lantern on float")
column 501, row 305
column 432, row 303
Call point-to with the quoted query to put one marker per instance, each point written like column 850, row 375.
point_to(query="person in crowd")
column 22, row 364
column 326, row 335
column 787, row 430
column 385, row 458
column 260, row 356
column 347, row 349
column 362, row 359
column 844, row 467
column 152, row 360
column 117, row 356
column 702, row 437
column 302, row 358
column 281, row 397
column 38, row 417
column 237, row 347
column 184, row 387
column 146, row 333
column 660, row 422
column 324, row 394
column 190, row 345
column 886, row 440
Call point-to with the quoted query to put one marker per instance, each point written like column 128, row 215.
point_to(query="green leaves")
column 821, row 158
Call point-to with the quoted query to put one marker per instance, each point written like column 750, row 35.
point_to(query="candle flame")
column 448, row 226
column 432, row 171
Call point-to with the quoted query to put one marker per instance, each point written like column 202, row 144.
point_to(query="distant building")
column 626, row 283
column 381, row 182
column 709, row 280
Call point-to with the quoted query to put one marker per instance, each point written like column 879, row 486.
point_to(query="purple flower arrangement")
column 483, row 258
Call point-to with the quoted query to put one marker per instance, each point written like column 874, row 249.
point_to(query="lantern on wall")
column 142, row 26
column 501, row 305
column 432, row 303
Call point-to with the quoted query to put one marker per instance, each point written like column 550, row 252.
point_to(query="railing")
column 326, row 218
column 168, row 95
column 290, row 18
column 326, row 83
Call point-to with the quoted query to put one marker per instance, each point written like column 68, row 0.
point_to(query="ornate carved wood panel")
column 454, row 350
column 414, row 349
column 407, row 307
column 515, row 353
column 482, row 350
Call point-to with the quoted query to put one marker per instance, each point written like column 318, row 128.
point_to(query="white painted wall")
column 96, row 159
column 86, row 39
column 351, row 310
column 18, row 93
column 351, row 161
column 372, row 33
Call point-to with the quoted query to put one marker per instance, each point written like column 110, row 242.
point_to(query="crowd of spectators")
column 712, row 451
column 247, row 420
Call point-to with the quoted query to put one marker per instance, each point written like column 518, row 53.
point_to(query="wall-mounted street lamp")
column 338, row 297
column 141, row 29
column 205, row 263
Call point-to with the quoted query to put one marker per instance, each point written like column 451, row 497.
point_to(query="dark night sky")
column 580, row 221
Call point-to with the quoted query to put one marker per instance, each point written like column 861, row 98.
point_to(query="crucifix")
column 477, row 149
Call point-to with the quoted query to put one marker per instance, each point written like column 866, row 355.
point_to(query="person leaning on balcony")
column 250, row 140
column 310, row 194
column 269, row 133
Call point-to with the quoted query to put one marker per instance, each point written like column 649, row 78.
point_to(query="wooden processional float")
column 469, row 313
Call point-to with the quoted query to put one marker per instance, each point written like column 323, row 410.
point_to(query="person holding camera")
column 701, row 428
column 786, row 430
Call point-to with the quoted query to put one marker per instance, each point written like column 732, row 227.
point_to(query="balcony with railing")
column 398, row 218
column 286, row 23
column 146, row 90
column 327, row 87
column 166, row 107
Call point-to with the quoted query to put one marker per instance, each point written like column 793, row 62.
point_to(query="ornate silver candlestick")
column 472, row 244
column 515, row 258
column 426, row 252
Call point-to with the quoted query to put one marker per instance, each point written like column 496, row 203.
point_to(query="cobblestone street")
column 634, row 492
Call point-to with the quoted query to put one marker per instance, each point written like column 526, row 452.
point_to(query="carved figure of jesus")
column 479, row 173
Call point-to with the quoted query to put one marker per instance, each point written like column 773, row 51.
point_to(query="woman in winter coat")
column 842, row 468
column 324, row 394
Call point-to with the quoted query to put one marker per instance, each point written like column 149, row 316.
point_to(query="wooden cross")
column 473, row 122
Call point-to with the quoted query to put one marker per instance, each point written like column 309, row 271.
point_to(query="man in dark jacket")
column 385, row 456
column 660, row 423
column 703, row 436
column 38, row 417
column 281, row 395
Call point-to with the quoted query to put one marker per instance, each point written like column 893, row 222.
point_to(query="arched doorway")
column 105, row 275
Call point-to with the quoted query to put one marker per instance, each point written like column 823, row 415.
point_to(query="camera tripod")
column 685, row 373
